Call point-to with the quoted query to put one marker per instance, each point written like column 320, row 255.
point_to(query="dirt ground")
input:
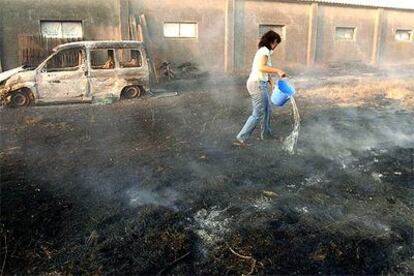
column 155, row 186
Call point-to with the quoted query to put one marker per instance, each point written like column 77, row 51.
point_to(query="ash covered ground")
column 155, row 186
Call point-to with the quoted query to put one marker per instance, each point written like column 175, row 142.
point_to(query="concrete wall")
column 392, row 51
column 329, row 49
column 228, row 30
column 207, row 49
column 101, row 20
column 251, row 14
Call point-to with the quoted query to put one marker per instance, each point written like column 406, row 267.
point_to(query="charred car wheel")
column 21, row 98
column 131, row 92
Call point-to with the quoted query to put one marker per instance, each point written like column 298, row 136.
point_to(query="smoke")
column 339, row 135
column 211, row 225
column 140, row 196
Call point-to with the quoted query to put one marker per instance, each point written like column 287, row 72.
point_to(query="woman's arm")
column 270, row 70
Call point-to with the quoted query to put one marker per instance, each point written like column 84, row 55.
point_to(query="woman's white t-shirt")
column 256, row 74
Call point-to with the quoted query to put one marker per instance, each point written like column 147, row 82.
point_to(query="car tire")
column 131, row 92
column 21, row 98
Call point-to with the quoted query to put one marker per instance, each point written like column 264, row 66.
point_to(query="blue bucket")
column 282, row 92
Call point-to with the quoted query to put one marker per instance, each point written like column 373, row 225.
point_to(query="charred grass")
column 155, row 186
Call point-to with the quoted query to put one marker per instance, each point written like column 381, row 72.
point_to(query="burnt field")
column 155, row 186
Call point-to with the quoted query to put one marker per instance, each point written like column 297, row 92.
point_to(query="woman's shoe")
column 240, row 143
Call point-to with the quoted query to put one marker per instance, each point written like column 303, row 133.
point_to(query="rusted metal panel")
column 5, row 75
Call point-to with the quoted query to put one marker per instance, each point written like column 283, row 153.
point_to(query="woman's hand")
column 282, row 74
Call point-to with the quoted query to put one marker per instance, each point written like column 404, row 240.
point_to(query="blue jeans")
column 262, row 111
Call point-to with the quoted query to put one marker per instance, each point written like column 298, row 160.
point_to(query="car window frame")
column 131, row 49
column 43, row 66
column 116, row 64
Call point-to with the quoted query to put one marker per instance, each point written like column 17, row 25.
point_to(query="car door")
column 63, row 77
column 133, row 66
column 103, row 78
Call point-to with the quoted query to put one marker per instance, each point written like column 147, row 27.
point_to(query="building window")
column 345, row 33
column 403, row 35
column 58, row 29
column 280, row 29
column 181, row 30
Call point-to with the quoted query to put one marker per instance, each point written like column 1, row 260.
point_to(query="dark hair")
column 268, row 38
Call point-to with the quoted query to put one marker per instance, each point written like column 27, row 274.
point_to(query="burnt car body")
column 80, row 72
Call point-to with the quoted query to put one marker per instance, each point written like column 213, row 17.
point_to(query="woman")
column 258, row 87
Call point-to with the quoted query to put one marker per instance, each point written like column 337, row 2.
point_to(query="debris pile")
column 186, row 70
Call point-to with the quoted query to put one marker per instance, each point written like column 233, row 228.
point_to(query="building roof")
column 395, row 4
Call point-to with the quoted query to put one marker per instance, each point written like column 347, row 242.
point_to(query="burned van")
column 78, row 72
